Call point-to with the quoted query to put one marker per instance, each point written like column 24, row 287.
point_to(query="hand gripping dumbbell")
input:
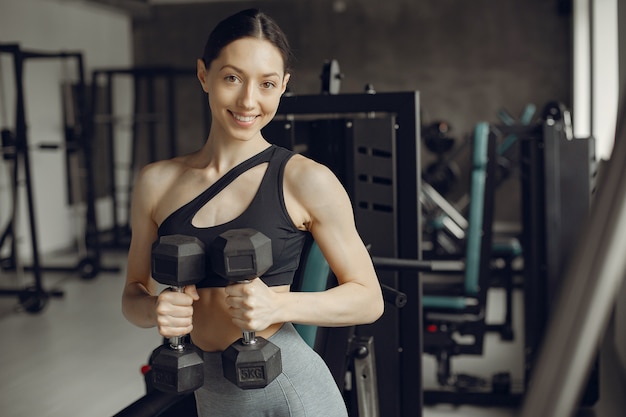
column 177, row 260
column 240, row 255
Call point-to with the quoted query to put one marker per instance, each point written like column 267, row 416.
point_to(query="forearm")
column 139, row 305
column 345, row 305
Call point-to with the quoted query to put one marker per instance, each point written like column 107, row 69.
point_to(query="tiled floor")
column 80, row 357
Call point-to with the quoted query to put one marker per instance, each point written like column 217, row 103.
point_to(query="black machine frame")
column 557, row 200
column 400, row 391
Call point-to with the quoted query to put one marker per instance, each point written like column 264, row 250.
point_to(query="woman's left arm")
column 316, row 201
column 316, row 198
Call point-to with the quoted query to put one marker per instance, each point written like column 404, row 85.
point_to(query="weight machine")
column 16, row 151
column 371, row 142
column 557, row 174
column 592, row 276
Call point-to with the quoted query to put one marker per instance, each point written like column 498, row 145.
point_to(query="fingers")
column 192, row 292
column 245, row 288
column 175, row 312
column 251, row 305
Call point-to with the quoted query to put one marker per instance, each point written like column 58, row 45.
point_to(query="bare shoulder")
column 304, row 176
column 155, row 181
column 313, row 194
column 160, row 174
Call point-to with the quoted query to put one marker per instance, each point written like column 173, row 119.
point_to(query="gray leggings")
column 305, row 388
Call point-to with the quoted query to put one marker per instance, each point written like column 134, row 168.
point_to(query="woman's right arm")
column 171, row 311
column 139, row 297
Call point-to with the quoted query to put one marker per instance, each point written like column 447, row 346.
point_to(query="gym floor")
column 81, row 357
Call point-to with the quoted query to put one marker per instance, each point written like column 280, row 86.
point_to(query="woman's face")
column 244, row 84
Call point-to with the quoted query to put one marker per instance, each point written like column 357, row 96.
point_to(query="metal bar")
column 417, row 265
column 364, row 361
column 92, row 238
column 394, row 297
column 21, row 140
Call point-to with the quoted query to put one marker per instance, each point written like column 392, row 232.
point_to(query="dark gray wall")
column 468, row 59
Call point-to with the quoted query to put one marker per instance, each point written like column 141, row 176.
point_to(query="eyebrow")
column 270, row 74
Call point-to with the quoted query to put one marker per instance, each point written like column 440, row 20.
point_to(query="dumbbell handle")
column 176, row 342
column 249, row 337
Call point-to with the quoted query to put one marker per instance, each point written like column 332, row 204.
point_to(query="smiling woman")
column 247, row 94
column 240, row 180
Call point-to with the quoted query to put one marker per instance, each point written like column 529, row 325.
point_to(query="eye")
column 231, row 79
column 268, row 85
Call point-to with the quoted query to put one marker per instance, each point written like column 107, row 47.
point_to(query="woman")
column 238, row 179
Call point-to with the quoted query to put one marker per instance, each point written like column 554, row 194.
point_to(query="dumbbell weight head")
column 177, row 371
column 442, row 176
column 436, row 137
column 177, row 261
column 240, row 255
column 253, row 365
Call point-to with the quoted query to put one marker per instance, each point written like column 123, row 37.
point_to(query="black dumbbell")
column 240, row 255
column 177, row 260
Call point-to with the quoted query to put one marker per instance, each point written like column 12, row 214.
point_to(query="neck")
column 224, row 155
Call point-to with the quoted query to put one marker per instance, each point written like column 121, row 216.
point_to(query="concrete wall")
column 103, row 35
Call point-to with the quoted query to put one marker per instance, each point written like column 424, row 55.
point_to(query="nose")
column 247, row 96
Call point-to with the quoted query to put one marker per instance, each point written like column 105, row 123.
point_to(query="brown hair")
column 247, row 23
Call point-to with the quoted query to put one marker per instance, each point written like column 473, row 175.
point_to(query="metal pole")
column 587, row 296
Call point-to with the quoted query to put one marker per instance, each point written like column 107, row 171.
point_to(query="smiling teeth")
column 244, row 118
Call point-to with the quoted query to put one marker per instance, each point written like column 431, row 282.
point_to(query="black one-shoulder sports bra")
column 266, row 213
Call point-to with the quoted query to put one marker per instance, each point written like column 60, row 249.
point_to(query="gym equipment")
column 331, row 77
column 445, row 224
column 177, row 261
column 160, row 404
column 525, row 119
column 558, row 178
column 584, row 306
column 448, row 310
column 240, row 255
column 436, row 138
column 33, row 298
column 556, row 197
column 504, row 159
column 444, row 172
column 15, row 150
column 446, row 228
column 372, row 143
column 555, row 111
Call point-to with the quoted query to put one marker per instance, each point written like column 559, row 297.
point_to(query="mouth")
column 243, row 118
